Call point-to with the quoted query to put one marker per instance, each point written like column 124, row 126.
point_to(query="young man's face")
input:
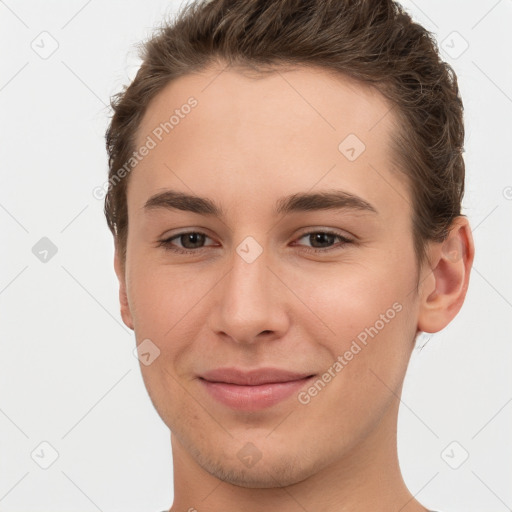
column 255, row 294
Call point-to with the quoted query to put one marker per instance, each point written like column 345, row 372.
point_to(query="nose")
column 249, row 303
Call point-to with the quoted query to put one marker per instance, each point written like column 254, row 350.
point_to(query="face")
column 257, row 277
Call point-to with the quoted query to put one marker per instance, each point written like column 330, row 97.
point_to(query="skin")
column 247, row 143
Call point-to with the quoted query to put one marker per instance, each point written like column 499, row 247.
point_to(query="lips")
column 252, row 377
column 254, row 389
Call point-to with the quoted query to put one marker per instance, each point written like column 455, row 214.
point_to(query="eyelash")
column 167, row 243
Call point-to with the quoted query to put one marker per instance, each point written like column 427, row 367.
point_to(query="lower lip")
column 253, row 398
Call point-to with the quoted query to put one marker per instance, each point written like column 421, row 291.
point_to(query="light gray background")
column 68, row 376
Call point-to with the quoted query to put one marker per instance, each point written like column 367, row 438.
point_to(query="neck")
column 366, row 479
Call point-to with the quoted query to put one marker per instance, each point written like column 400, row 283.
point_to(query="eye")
column 319, row 240
column 191, row 242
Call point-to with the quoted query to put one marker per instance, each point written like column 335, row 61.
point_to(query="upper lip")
column 252, row 377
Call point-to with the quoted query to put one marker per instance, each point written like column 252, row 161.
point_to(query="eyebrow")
column 299, row 202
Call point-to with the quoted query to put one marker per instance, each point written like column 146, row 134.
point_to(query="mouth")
column 252, row 390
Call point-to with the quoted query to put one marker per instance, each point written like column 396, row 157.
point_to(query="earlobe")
column 123, row 296
column 444, row 289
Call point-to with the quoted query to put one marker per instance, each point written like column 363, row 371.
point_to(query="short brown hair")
column 372, row 41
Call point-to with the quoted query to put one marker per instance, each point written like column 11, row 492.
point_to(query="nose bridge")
column 247, row 288
column 247, row 303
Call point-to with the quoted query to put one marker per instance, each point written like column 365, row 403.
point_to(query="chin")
column 262, row 476
column 278, row 469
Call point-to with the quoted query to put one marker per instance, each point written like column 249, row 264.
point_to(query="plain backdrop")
column 71, row 391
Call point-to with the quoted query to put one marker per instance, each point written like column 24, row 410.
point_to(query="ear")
column 119, row 267
column 445, row 282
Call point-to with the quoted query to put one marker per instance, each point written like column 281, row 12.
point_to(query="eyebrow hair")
column 298, row 202
column 324, row 200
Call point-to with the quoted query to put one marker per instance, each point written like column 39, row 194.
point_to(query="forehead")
column 291, row 128
column 313, row 95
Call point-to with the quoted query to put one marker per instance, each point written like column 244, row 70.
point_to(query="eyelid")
column 331, row 231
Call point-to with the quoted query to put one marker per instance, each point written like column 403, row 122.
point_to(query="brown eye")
column 189, row 242
column 322, row 241
column 319, row 240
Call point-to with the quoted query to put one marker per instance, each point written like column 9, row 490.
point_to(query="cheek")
column 365, row 318
column 161, row 296
column 367, row 356
column 349, row 298
column 170, row 307
column 162, row 304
